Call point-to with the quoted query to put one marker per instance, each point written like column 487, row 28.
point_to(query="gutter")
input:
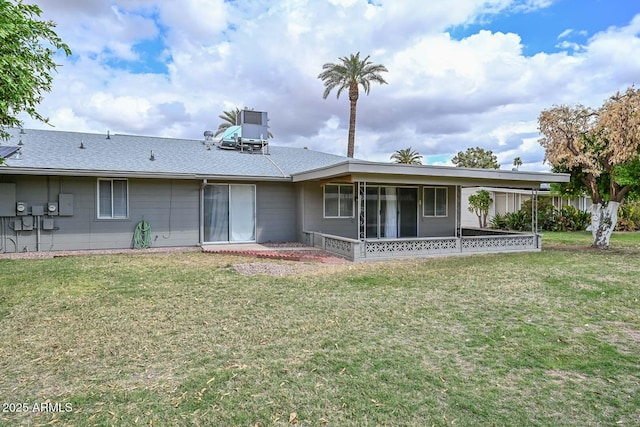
column 403, row 172
column 9, row 170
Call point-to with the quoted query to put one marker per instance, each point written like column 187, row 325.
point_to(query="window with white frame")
column 434, row 202
column 113, row 198
column 338, row 201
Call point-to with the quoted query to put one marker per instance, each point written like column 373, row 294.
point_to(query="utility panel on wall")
column 52, row 208
column 7, row 199
column 37, row 210
column 27, row 223
column 65, row 204
column 21, row 208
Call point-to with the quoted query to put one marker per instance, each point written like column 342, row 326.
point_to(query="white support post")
column 458, row 212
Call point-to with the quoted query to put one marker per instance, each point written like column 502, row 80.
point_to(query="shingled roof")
column 73, row 153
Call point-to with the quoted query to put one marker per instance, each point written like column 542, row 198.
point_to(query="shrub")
column 582, row 220
column 499, row 222
column 518, row 221
column 629, row 216
column 550, row 218
column 546, row 213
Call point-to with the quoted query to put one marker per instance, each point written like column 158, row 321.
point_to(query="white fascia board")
column 11, row 170
column 382, row 172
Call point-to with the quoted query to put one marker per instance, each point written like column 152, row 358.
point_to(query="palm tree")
column 517, row 162
column 350, row 73
column 407, row 156
column 230, row 118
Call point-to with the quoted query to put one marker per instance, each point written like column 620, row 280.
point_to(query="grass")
column 582, row 239
column 549, row 338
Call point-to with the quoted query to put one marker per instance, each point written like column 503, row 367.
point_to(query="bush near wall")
column 549, row 218
column 629, row 217
column 566, row 219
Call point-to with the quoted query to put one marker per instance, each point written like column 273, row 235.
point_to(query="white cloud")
column 444, row 95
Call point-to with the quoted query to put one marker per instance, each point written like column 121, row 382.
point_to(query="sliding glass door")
column 229, row 213
column 391, row 212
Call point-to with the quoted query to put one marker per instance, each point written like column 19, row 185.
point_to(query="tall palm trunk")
column 353, row 100
column 351, row 73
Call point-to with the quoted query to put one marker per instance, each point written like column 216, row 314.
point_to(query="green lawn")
column 543, row 339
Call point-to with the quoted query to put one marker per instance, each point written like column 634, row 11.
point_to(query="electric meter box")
column 21, row 208
column 52, row 208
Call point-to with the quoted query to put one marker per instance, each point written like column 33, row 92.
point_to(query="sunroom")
column 368, row 211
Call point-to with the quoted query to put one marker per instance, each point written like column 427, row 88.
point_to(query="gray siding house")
column 78, row 191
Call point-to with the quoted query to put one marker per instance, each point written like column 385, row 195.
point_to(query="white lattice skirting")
column 357, row 250
column 340, row 247
column 498, row 243
column 399, row 248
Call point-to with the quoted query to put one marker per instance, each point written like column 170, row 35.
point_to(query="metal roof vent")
column 208, row 139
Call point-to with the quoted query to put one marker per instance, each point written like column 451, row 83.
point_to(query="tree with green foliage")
column 476, row 158
column 479, row 203
column 600, row 148
column 28, row 47
column 407, row 156
column 350, row 73
column 230, row 118
column 517, row 162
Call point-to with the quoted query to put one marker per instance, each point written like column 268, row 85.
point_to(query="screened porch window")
column 338, row 201
column 113, row 198
column 435, row 201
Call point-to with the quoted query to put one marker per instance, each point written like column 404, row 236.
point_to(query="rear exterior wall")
column 171, row 207
column 276, row 215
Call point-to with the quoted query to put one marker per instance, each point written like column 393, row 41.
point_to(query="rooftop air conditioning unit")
column 254, row 125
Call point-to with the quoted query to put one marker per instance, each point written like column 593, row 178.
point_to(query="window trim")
column 434, row 214
column 324, row 200
column 112, row 216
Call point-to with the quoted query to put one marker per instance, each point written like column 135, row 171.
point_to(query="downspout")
column 201, row 220
column 302, row 212
column 38, row 221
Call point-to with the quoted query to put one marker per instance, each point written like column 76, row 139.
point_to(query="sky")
column 461, row 73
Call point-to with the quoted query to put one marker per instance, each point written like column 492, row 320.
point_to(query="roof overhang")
column 13, row 170
column 392, row 173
